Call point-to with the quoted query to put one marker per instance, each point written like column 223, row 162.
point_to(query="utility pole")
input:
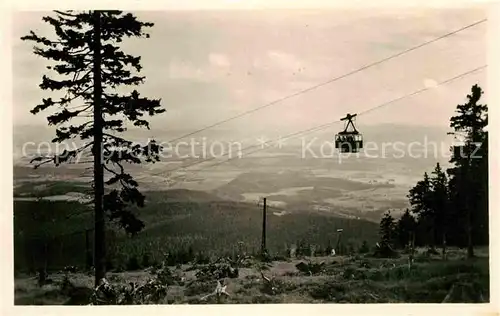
column 263, row 245
column 339, row 238
column 99, row 232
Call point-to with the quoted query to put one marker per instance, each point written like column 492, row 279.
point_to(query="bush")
column 276, row 287
column 200, row 288
column 133, row 264
column 310, row 268
column 146, row 261
column 432, row 251
column 217, row 271
column 201, row 258
column 279, row 258
column 327, row 291
column 351, row 273
column 109, row 265
column 386, row 251
column 153, row 291
column 364, row 247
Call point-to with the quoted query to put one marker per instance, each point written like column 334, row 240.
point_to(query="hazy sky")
column 207, row 66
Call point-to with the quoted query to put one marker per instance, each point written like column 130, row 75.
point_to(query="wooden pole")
column 339, row 238
column 263, row 245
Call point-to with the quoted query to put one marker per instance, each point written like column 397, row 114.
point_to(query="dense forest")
column 450, row 207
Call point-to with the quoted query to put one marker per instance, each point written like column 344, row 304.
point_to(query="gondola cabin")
column 349, row 140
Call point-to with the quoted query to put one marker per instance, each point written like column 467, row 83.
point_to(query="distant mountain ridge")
column 29, row 136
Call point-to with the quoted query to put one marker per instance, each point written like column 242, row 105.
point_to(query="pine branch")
column 65, row 156
column 119, row 139
column 64, row 116
column 66, row 14
column 72, row 53
column 64, row 133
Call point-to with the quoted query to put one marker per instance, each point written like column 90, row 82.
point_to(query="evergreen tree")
column 387, row 236
column 328, row 249
column 405, row 227
column 88, row 68
column 419, row 196
column 439, row 206
column 364, row 247
column 420, row 201
column 456, row 228
column 482, row 226
column 469, row 176
column 387, row 229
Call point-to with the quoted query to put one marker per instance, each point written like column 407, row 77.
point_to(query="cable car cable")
column 320, row 85
column 331, row 80
column 323, row 126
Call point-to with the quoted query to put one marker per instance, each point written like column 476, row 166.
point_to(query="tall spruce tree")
column 405, row 227
column 387, row 235
column 419, row 196
column 483, row 189
column 439, row 206
column 456, row 228
column 469, row 176
column 88, row 66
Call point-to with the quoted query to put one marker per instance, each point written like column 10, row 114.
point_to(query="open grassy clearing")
column 343, row 279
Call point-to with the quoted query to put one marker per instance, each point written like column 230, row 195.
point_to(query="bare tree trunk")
column 99, row 239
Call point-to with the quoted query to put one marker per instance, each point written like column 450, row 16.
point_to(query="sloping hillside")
column 179, row 219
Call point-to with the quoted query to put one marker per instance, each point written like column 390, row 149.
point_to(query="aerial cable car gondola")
column 349, row 141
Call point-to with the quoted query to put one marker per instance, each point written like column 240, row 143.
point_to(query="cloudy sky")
column 208, row 66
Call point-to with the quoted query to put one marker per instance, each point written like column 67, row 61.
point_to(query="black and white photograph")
column 251, row 155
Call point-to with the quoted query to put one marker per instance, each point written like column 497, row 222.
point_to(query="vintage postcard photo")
column 251, row 156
